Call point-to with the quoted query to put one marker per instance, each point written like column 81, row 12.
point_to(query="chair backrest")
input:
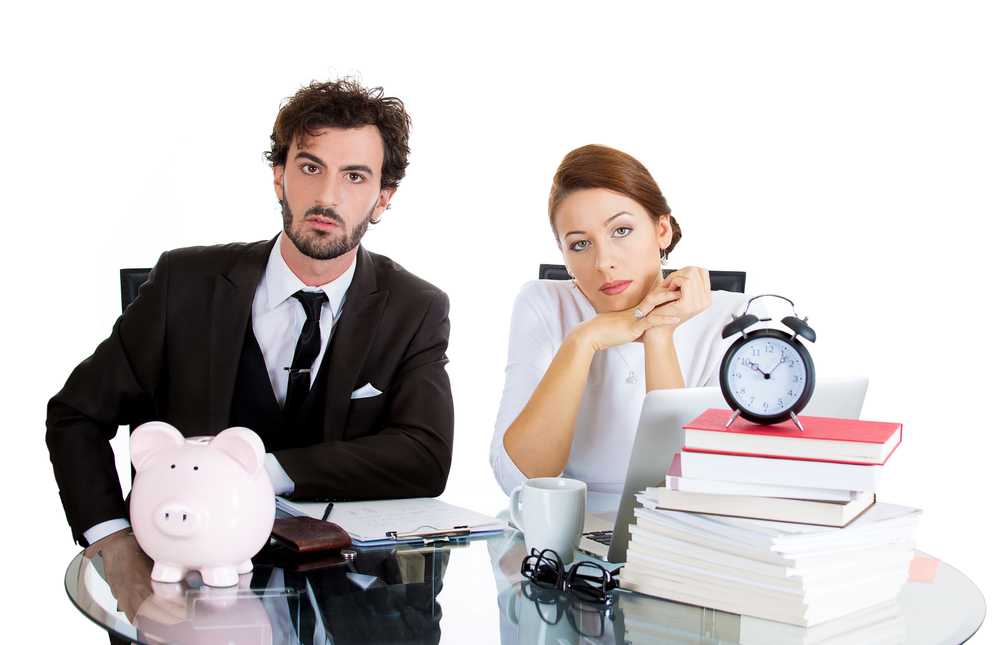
column 132, row 279
column 735, row 281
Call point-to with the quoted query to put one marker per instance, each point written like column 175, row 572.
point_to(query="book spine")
column 787, row 472
column 765, row 508
column 715, row 487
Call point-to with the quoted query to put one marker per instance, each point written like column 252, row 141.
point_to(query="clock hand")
column 755, row 367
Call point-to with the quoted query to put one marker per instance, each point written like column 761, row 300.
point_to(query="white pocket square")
column 365, row 392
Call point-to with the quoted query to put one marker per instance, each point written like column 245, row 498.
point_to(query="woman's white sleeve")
column 530, row 349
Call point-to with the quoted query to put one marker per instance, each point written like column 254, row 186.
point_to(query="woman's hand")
column 692, row 295
column 692, row 291
column 608, row 330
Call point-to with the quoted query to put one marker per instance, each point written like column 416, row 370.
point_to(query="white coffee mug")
column 549, row 511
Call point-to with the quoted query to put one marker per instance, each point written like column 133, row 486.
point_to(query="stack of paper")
column 649, row 621
column 882, row 624
column 792, row 573
column 372, row 523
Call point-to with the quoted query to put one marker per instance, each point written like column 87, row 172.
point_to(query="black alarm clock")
column 767, row 376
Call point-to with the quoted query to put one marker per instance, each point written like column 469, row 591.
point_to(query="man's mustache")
column 328, row 213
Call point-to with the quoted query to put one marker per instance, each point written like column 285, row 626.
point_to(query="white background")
column 845, row 155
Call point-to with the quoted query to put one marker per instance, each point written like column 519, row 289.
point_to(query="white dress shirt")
column 277, row 321
column 544, row 313
column 275, row 312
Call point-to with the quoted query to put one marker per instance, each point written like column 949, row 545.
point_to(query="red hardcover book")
column 847, row 441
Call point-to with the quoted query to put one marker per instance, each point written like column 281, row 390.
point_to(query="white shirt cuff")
column 104, row 529
column 282, row 484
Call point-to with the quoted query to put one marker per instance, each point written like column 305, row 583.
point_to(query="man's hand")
column 126, row 569
column 165, row 606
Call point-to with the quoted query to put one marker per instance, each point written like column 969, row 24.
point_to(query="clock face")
column 767, row 376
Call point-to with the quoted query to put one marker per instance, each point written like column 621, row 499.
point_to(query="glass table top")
column 470, row 591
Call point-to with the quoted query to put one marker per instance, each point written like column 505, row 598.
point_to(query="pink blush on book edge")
column 923, row 569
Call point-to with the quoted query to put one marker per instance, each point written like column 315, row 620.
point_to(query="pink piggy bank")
column 201, row 504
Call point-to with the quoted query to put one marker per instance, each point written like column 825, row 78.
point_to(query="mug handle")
column 511, row 603
column 515, row 509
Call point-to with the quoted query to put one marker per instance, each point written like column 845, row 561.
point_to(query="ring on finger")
column 638, row 313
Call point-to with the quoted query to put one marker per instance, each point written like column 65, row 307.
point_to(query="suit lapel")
column 232, row 301
column 352, row 341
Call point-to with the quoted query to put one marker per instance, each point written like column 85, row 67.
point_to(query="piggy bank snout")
column 176, row 519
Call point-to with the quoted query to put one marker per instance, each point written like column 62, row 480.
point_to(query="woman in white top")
column 583, row 353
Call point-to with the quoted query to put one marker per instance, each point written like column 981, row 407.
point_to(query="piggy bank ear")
column 150, row 438
column 243, row 445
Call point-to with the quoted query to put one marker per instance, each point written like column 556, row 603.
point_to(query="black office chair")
column 132, row 279
column 735, row 281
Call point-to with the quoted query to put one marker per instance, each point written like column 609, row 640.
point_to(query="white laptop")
column 660, row 436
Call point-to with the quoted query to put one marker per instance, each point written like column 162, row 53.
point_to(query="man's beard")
column 323, row 245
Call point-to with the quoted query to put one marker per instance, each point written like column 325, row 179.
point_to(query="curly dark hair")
column 344, row 103
column 597, row 166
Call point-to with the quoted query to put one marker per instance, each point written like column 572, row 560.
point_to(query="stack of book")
column 773, row 522
column 649, row 621
column 882, row 624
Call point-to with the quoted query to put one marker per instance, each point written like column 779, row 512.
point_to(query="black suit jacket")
column 180, row 342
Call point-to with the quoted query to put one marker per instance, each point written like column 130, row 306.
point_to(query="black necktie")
column 306, row 351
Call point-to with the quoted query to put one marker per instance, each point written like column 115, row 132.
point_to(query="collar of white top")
column 281, row 283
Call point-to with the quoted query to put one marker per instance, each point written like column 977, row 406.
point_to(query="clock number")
column 795, row 378
column 781, row 403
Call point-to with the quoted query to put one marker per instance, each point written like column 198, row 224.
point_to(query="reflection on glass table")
column 948, row 610
column 402, row 595
column 378, row 596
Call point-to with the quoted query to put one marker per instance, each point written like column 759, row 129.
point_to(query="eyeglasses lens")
column 588, row 581
column 548, row 570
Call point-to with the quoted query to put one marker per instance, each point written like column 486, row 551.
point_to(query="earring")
column 663, row 258
column 373, row 220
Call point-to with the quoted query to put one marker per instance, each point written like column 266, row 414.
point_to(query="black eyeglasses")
column 586, row 618
column 584, row 580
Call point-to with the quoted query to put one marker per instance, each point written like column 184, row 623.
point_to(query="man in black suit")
column 335, row 356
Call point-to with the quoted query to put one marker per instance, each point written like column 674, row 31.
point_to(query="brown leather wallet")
column 309, row 535
column 278, row 556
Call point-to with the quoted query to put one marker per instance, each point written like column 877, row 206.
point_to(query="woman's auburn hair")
column 597, row 166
